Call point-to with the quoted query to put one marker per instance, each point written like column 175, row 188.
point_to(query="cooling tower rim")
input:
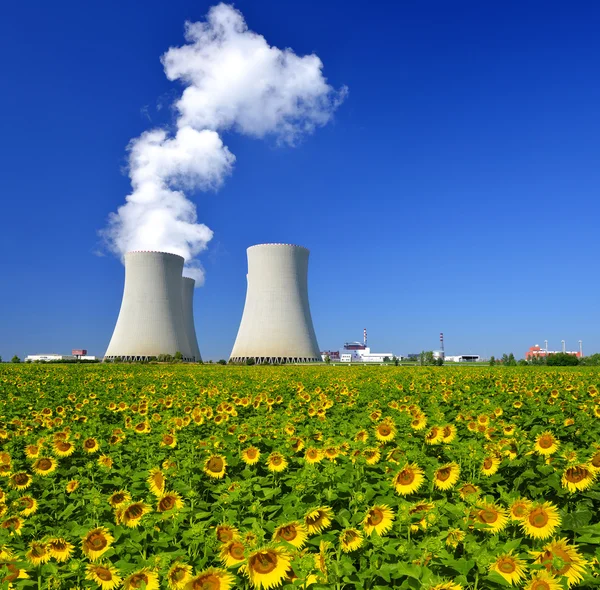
column 188, row 279
column 279, row 244
column 154, row 252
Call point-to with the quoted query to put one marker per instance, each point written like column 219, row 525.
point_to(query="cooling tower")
column 187, row 294
column 276, row 325
column 151, row 319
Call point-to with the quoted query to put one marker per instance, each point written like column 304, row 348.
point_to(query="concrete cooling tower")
column 276, row 325
column 187, row 294
column 156, row 314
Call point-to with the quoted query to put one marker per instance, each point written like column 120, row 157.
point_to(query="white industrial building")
column 462, row 358
column 37, row 358
column 276, row 325
column 156, row 315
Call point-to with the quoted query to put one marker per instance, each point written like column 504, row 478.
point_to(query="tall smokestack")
column 442, row 344
column 365, row 337
column 276, row 325
column 151, row 320
column 187, row 295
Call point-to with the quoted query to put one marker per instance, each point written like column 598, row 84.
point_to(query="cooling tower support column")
column 151, row 320
column 276, row 325
column 187, row 294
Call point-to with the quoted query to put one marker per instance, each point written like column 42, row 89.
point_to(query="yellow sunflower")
column 490, row 517
column 13, row 525
column 214, row 466
column 419, row 422
column 212, row 579
column 350, row 540
column 72, row 486
column 490, row 465
column 312, row 455
column 168, row 440
column 546, row 443
column 226, row 533
column 454, row 537
column 577, row 478
column 145, row 578
column 295, row 533
column 91, row 445
column 38, row 553
column 434, row 436
column 179, row 575
column 232, row 553
column 541, row 520
column 105, row 461
column 63, row 448
column 20, row 480
column 447, row 586
column 60, row 549
column 132, row 514
column 27, row 505
column 519, row 509
column 105, row 575
column 156, row 481
column 13, row 572
column 408, row 480
column 386, row 431
column 32, row 451
column 96, row 542
column 45, row 466
column 119, row 498
column 276, row 462
column 318, row 519
column 251, row 455
column 448, row 433
column 267, row 567
column 469, row 491
column 379, row 518
column 372, row 455
column 169, row 501
column 446, row 476
column 561, row 559
column 511, row 568
column 542, row 580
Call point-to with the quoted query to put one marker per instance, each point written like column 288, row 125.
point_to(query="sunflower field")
column 208, row 477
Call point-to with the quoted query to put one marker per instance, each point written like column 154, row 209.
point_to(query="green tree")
column 439, row 361
column 327, row 359
column 178, row 356
column 562, row 359
column 15, row 359
column 222, row 362
column 386, row 359
column 492, row 361
column 250, row 361
column 426, row 358
column 511, row 360
column 523, row 363
column 396, row 360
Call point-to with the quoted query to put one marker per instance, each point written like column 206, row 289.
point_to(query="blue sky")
column 455, row 189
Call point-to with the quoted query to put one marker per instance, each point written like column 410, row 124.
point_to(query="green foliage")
column 222, row 362
column 250, row 361
column 492, row 361
column 562, row 359
column 15, row 359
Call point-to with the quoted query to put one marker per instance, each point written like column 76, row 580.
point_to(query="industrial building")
column 276, row 325
column 46, row 358
column 462, row 358
column 156, row 315
column 359, row 352
column 538, row 352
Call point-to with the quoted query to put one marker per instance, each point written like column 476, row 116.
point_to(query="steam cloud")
column 233, row 81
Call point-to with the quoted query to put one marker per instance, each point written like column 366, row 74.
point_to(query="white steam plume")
column 234, row 80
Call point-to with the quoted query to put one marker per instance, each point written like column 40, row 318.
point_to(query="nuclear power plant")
column 156, row 315
column 276, row 324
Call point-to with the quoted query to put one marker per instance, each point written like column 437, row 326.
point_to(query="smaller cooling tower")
column 276, row 325
column 187, row 294
column 151, row 320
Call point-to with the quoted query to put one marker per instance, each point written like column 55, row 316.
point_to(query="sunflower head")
column 379, row 518
column 267, row 567
column 294, row 533
column 215, row 466
column 350, row 540
column 318, row 519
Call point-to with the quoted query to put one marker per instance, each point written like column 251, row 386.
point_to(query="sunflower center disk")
column 263, row 563
column 538, row 518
